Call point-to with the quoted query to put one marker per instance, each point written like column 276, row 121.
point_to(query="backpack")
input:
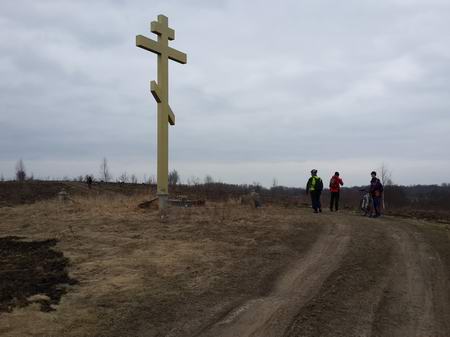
column 319, row 185
column 315, row 184
column 334, row 183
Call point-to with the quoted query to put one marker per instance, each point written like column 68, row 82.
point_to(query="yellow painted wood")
column 160, row 91
column 153, row 46
column 158, row 28
column 156, row 92
column 171, row 116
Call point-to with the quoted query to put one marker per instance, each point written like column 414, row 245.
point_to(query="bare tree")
column 151, row 180
column 274, row 182
column 123, row 178
column 134, row 179
column 209, row 179
column 193, row 181
column 105, row 175
column 174, row 177
column 386, row 180
column 21, row 174
column 256, row 186
column 386, row 175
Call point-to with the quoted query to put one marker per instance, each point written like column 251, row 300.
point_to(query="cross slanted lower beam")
column 156, row 92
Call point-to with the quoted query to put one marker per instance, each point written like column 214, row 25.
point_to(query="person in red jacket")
column 335, row 188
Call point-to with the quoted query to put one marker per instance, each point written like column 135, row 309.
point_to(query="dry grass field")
column 142, row 274
column 218, row 270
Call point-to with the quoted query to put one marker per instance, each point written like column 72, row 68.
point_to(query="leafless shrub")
column 174, row 178
column 151, row 180
column 123, row 178
column 133, row 179
column 193, row 181
column 209, row 179
column 274, row 182
column 21, row 174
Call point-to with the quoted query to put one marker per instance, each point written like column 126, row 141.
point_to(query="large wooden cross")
column 160, row 91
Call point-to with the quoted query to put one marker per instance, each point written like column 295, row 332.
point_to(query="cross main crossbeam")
column 153, row 46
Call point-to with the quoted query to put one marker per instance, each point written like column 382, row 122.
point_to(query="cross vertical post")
column 160, row 91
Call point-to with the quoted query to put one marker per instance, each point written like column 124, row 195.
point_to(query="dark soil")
column 31, row 268
column 14, row 193
column 441, row 216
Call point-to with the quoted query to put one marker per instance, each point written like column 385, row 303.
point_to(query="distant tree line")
column 421, row 197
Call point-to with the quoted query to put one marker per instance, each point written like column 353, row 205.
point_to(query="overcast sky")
column 270, row 90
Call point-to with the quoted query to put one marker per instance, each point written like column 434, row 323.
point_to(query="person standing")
column 335, row 188
column 314, row 187
column 376, row 191
column 89, row 181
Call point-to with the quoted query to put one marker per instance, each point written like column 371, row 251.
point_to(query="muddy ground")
column 31, row 271
column 222, row 270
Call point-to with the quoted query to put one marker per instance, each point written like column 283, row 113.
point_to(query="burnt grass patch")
column 31, row 272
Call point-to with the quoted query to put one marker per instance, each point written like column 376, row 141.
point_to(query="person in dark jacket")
column 376, row 191
column 89, row 181
column 314, row 187
column 335, row 188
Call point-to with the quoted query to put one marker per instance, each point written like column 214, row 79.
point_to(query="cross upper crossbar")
column 161, row 28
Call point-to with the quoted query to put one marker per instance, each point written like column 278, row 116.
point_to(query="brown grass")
column 142, row 271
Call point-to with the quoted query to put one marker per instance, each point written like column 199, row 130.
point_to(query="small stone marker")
column 63, row 196
column 160, row 91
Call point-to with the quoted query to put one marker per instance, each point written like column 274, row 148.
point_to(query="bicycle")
column 366, row 203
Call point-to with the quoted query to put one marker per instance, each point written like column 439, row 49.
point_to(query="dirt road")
column 224, row 270
column 362, row 277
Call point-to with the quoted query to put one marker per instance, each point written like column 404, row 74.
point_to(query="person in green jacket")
column 314, row 187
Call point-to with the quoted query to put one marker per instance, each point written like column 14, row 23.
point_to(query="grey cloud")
column 276, row 87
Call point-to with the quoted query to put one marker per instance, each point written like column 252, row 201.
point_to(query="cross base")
column 163, row 200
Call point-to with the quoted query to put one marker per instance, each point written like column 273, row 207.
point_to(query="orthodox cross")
column 160, row 91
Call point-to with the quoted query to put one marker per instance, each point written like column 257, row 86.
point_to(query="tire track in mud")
column 348, row 300
column 269, row 316
column 415, row 302
column 363, row 277
column 390, row 283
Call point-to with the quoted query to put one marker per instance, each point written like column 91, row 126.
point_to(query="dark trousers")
column 315, row 200
column 334, row 201
column 377, row 205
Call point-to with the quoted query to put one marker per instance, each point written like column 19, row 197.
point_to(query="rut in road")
column 271, row 315
column 363, row 277
column 415, row 301
column 390, row 283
